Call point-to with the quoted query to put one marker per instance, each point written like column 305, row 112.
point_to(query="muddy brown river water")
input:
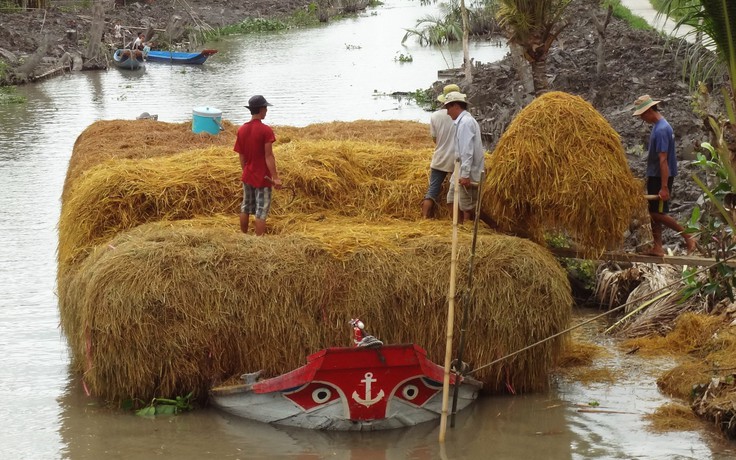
column 338, row 72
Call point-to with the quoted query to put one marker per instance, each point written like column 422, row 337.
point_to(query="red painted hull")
column 349, row 389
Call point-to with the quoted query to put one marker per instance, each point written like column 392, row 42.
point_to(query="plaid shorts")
column 256, row 201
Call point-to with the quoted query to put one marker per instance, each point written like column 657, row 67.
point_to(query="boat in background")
column 177, row 57
column 128, row 59
column 362, row 388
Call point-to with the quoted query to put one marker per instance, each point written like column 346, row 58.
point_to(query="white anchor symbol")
column 368, row 401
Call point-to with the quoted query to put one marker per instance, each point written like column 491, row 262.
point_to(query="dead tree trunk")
column 468, row 80
column 600, row 50
column 24, row 72
column 94, row 51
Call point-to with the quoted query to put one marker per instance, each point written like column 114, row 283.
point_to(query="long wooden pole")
column 467, row 302
column 451, row 303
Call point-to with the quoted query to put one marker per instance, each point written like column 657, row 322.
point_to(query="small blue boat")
column 176, row 57
column 128, row 59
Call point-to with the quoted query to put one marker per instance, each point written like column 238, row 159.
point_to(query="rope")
column 597, row 317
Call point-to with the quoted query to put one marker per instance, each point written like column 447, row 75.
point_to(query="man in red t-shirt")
column 254, row 145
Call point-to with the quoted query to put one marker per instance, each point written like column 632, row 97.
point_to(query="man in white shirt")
column 442, row 130
column 469, row 150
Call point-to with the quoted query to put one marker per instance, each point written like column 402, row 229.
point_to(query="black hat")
column 257, row 101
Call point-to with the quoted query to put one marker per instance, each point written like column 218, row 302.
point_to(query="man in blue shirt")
column 661, row 171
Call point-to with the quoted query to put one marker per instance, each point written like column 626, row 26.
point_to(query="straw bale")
column 349, row 178
column 560, row 166
column 120, row 194
column 406, row 134
column 170, row 307
column 137, row 139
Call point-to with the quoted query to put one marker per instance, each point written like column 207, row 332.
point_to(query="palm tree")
column 716, row 21
column 533, row 25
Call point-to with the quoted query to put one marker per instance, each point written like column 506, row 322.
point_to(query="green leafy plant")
column 9, row 95
column 164, row 406
column 404, row 58
column 714, row 224
column 423, row 97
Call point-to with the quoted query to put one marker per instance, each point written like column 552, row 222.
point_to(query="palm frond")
column 719, row 22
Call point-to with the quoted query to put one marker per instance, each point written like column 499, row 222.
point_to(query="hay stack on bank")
column 560, row 166
column 171, row 307
column 160, row 293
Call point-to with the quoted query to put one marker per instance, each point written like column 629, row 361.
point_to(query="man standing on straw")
column 442, row 130
column 661, row 171
column 468, row 149
column 254, row 144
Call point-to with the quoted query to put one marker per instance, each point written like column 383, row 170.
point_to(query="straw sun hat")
column 455, row 96
column 446, row 90
column 643, row 103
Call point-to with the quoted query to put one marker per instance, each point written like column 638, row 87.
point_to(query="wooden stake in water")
column 451, row 303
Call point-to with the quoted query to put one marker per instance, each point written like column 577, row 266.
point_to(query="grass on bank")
column 310, row 17
column 9, row 95
column 621, row 12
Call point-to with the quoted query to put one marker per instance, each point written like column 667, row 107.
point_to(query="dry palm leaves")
column 560, row 166
column 653, row 307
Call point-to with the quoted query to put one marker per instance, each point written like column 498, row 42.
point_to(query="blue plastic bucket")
column 206, row 119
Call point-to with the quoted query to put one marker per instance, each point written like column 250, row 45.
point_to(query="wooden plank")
column 639, row 258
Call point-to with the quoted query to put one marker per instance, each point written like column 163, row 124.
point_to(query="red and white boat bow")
column 360, row 388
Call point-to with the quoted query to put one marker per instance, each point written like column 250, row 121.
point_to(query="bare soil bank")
column 67, row 29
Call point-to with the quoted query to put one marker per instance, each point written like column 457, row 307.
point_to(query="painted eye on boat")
column 417, row 391
column 410, row 392
column 321, row 395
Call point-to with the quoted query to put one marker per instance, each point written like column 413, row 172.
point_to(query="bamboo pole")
column 467, row 302
column 451, row 302
column 641, row 307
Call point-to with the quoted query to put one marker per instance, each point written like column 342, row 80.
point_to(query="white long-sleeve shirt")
column 469, row 147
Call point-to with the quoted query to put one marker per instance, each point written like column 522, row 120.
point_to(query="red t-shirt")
column 251, row 143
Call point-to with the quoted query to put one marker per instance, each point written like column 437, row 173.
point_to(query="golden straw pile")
column 160, row 294
column 171, row 307
column 561, row 166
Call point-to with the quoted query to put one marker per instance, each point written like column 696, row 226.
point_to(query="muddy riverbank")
column 59, row 34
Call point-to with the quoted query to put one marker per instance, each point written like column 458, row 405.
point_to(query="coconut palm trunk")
column 539, row 76
column 533, row 25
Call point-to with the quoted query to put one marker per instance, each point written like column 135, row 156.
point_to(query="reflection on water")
column 335, row 72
